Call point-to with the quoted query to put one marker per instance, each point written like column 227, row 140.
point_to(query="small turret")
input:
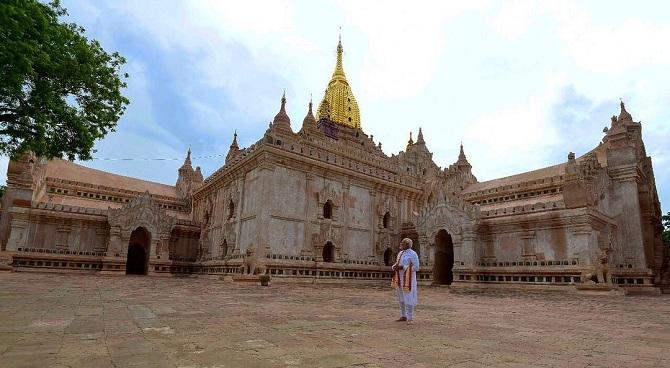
column 309, row 122
column 462, row 161
column 188, row 179
column 234, row 149
column 624, row 116
column 410, row 142
column 197, row 177
column 281, row 121
column 419, row 138
column 186, row 166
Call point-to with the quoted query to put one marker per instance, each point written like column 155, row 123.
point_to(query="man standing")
column 404, row 280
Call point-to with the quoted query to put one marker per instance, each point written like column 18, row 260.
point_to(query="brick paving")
column 49, row 320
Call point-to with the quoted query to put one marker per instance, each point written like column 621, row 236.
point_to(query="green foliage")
column 666, row 231
column 59, row 92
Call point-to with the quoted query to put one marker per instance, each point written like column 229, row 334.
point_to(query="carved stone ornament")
column 386, row 204
column 447, row 214
column 330, row 233
column 328, row 193
column 142, row 211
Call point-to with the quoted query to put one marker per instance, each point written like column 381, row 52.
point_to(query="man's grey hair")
column 408, row 241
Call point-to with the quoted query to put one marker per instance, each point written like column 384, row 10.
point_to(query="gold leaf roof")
column 339, row 104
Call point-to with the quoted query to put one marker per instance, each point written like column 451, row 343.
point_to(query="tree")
column 666, row 231
column 59, row 92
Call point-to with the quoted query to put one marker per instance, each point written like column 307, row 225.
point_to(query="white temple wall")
column 286, row 237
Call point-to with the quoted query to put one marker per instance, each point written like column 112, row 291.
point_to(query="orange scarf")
column 406, row 282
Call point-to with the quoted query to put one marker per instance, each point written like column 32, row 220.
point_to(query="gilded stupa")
column 339, row 104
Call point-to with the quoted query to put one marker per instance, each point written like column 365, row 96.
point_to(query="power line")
column 155, row 158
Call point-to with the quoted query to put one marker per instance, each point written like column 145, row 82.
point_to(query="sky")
column 520, row 83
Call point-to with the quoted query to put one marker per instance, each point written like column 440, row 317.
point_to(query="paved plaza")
column 51, row 320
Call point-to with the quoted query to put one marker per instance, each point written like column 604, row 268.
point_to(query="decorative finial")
column 283, row 102
column 419, row 138
column 187, row 161
column 234, row 145
column 281, row 116
column 309, row 120
column 624, row 116
column 462, row 160
column 339, row 44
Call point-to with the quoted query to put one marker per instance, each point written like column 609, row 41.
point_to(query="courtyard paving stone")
column 51, row 320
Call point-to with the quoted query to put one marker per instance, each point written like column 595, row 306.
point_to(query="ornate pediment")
column 142, row 211
column 328, row 193
column 385, row 204
column 449, row 213
column 327, row 232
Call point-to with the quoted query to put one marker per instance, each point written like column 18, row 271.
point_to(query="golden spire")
column 339, row 70
column 339, row 104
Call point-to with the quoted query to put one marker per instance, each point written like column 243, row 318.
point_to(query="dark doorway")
column 136, row 264
column 328, row 252
column 328, row 209
column 444, row 259
column 388, row 257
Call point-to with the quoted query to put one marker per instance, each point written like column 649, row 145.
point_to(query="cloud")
column 521, row 83
column 518, row 138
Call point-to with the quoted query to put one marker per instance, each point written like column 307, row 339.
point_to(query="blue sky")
column 521, row 83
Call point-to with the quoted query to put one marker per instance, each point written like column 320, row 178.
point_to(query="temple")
column 326, row 204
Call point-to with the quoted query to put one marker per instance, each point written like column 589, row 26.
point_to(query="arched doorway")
column 328, row 209
column 328, row 252
column 444, row 259
column 388, row 257
column 138, row 252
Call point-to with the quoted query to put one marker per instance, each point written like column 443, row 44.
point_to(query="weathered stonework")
column 327, row 203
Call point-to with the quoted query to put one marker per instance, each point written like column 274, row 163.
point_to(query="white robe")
column 406, row 258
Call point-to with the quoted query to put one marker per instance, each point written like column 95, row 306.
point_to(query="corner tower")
column 339, row 104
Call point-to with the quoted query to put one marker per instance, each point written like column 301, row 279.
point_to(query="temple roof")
column 518, row 178
column 339, row 104
column 67, row 170
column 545, row 172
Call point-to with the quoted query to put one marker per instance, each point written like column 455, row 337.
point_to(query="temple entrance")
column 138, row 255
column 328, row 252
column 388, row 257
column 444, row 259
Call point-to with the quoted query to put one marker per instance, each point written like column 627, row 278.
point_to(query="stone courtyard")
column 53, row 320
